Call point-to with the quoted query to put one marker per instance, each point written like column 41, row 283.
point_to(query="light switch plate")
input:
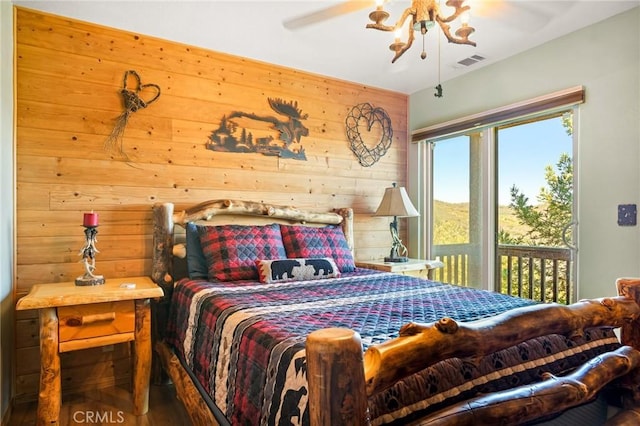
column 627, row 214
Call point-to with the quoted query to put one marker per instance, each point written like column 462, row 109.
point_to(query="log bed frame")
column 341, row 377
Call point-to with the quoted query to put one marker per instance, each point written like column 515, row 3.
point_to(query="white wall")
column 605, row 59
column 7, row 203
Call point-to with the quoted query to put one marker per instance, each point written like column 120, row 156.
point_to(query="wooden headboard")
column 169, row 249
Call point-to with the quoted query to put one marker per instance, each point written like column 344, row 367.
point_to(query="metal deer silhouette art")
column 234, row 134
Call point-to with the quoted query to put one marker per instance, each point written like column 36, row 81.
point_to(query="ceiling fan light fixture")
column 379, row 16
column 465, row 31
column 455, row 3
column 397, row 44
column 424, row 14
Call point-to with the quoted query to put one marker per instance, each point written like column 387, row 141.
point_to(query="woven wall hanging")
column 132, row 102
column 365, row 116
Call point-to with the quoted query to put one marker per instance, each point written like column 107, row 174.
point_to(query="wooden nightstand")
column 415, row 267
column 79, row 317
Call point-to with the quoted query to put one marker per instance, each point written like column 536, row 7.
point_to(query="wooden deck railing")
column 456, row 264
column 538, row 273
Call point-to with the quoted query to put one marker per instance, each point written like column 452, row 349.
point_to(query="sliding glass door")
column 458, row 213
column 502, row 208
column 535, row 251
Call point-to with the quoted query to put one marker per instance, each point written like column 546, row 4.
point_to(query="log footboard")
column 628, row 417
column 551, row 396
column 341, row 378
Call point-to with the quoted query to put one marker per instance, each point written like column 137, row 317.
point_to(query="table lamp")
column 396, row 203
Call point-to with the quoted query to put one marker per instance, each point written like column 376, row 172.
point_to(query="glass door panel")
column 457, row 210
column 535, row 209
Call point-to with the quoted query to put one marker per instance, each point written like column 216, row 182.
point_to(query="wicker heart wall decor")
column 132, row 102
column 365, row 116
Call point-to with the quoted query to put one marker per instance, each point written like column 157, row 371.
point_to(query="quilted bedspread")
column 244, row 342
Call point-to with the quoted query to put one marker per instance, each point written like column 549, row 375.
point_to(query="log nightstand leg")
column 49, row 398
column 142, row 357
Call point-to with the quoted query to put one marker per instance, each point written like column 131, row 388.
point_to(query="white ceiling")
column 340, row 46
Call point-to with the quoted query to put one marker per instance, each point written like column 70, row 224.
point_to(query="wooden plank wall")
column 69, row 77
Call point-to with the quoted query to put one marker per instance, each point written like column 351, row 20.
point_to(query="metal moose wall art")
column 235, row 132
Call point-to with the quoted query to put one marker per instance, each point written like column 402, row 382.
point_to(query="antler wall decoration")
column 132, row 103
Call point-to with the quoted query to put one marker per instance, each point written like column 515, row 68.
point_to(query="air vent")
column 471, row 60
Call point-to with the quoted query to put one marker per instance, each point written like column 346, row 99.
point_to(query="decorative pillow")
column 309, row 242
column 231, row 250
column 196, row 263
column 280, row 270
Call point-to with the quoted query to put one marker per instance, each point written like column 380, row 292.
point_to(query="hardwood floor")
column 110, row 406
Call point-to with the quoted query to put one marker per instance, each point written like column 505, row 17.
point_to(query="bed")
column 266, row 320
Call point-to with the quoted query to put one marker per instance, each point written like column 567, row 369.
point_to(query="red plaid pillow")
column 309, row 242
column 231, row 250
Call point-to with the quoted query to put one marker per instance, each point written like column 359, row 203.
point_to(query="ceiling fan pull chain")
column 438, row 93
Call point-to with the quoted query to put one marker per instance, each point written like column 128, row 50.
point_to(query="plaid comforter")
column 244, row 342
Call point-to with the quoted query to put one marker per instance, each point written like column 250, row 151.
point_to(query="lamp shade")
column 396, row 202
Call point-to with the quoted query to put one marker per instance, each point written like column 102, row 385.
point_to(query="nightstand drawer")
column 96, row 320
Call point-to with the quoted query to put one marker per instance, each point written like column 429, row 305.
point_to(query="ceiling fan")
column 526, row 15
column 327, row 13
column 420, row 17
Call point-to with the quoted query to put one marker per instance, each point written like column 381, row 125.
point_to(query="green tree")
column 547, row 220
column 546, row 223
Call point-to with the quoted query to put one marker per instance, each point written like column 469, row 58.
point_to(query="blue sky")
column 524, row 151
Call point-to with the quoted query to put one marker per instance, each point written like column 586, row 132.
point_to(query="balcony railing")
column 537, row 273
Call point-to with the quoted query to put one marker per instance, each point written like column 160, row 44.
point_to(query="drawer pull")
column 77, row 321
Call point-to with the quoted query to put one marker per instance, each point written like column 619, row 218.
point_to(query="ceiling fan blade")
column 526, row 16
column 327, row 13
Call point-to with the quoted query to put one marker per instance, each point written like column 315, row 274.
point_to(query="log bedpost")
column 162, row 274
column 162, row 268
column 347, row 226
column 630, row 333
column 335, row 373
